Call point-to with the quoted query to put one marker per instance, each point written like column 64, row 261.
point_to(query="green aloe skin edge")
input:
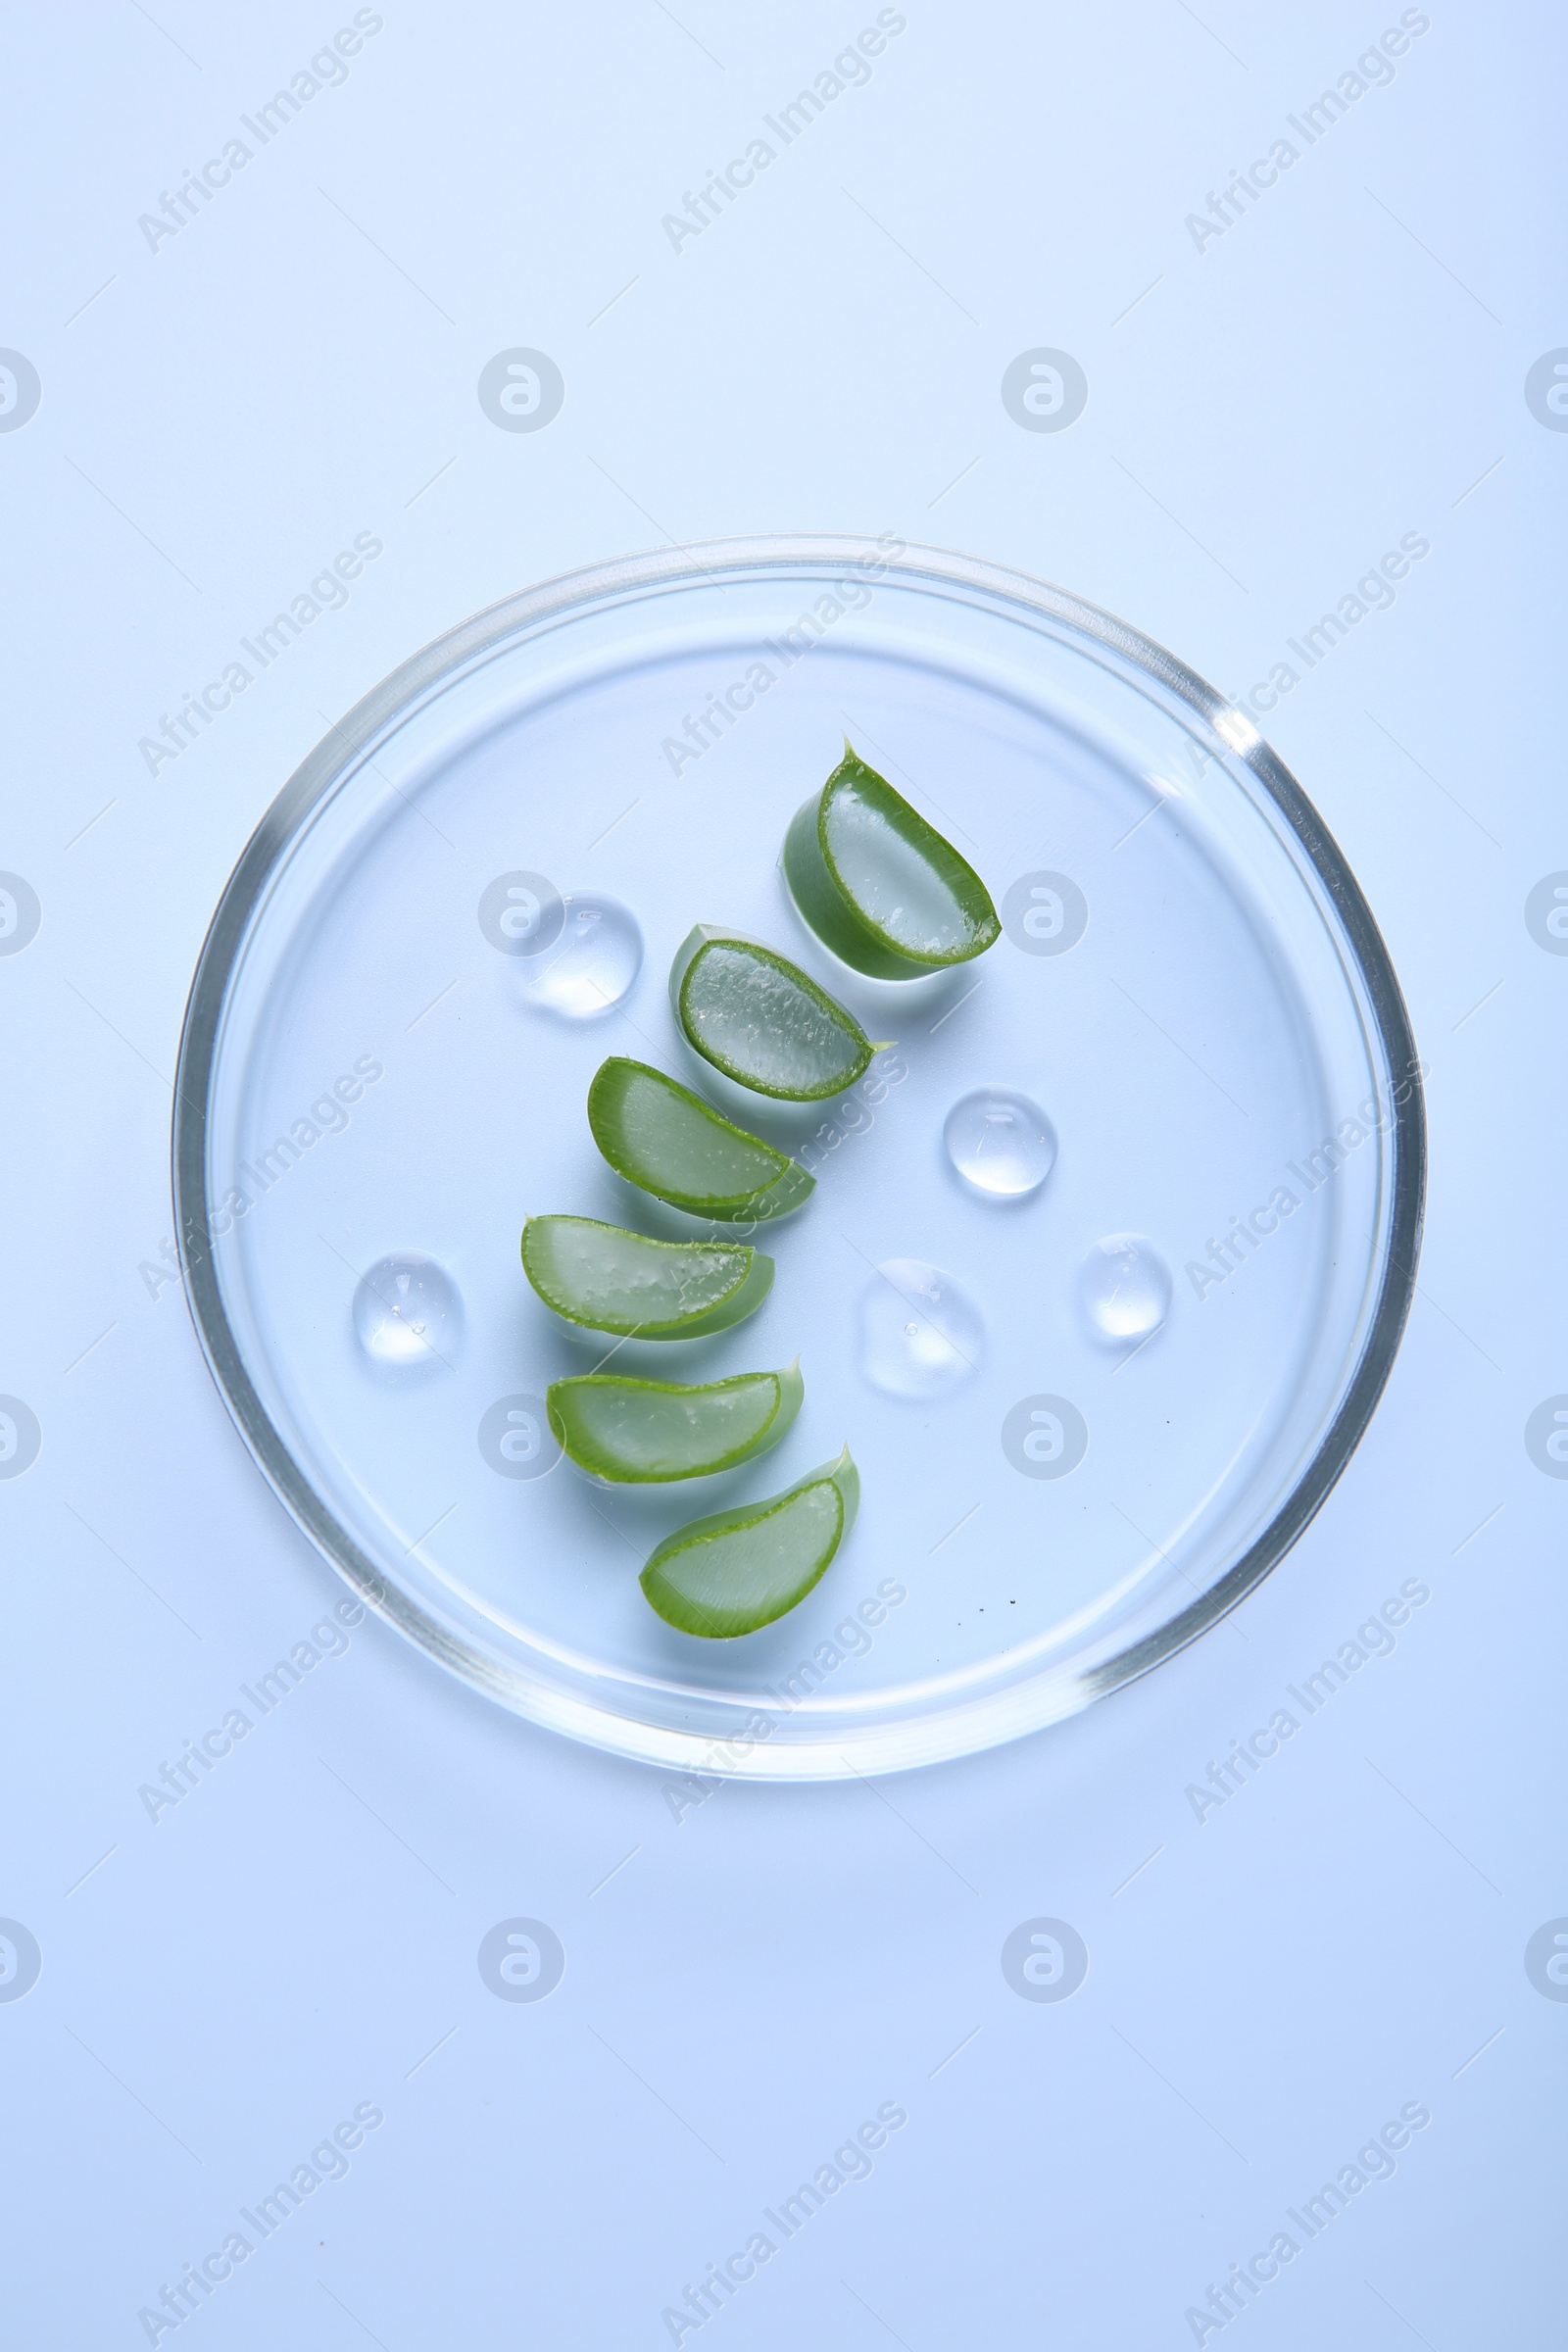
column 763, row 1022
column 650, row 1432
column 606, row 1279
column 879, row 886
column 666, row 1140
column 736, row 1571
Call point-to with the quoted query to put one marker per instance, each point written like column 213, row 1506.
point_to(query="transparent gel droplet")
column 1124, row 1290
column 408, row 1314
column 594, row 962
column 921, row 1333
column 1000, row 1143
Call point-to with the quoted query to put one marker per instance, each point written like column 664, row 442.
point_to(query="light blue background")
column 1265, row 417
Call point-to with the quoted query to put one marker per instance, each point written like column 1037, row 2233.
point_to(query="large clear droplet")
column 1000, row 1143
column 1124, row 1290
column 408, row 1314
column 594, row 962
column 921, row 1333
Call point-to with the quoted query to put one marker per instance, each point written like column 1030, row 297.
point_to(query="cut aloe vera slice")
column 646, row 1432
column 737, row 1570
column 878, row 885
column 617, row 1281
column 660, row 1136
column 762, row 1021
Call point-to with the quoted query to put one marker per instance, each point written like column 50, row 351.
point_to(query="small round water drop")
column 1000, row 1143
column 1124, row 1290
column 594, row 962
column 921, row 1333
column 408, row 1314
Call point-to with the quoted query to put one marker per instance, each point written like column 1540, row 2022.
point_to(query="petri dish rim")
column 1140, row 662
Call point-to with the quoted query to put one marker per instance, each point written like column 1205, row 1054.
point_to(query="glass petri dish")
column 1089, row 1411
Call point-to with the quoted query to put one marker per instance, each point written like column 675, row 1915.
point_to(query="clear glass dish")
column 1190, row 988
